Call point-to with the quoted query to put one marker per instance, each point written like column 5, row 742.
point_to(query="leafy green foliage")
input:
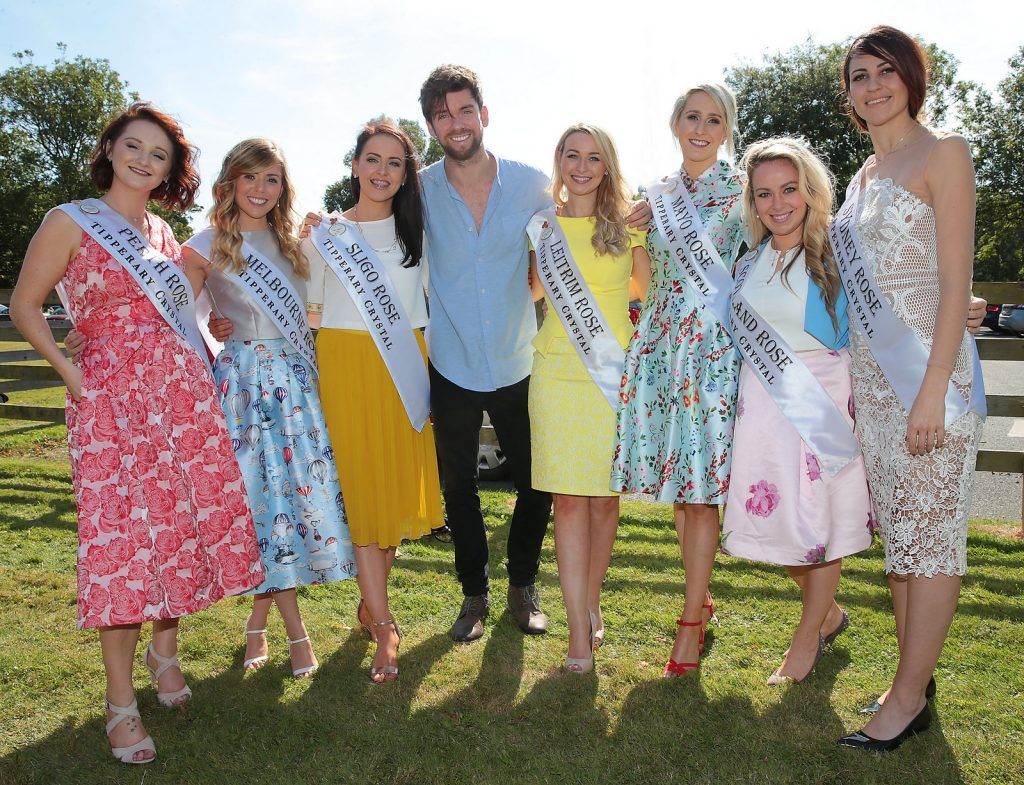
column 799, row 92
column 338, row 196
column 50, row 118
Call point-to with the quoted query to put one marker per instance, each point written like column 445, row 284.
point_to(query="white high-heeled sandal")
column 297, row 672
column 254, row 663
column 167, row 699
column 127, row 754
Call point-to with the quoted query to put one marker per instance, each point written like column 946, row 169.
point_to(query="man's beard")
column 478, row 142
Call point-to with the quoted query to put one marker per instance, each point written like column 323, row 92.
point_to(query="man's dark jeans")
column 458, row 414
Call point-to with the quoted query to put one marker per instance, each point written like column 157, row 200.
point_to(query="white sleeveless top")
column 327, row 292
column 783, row 304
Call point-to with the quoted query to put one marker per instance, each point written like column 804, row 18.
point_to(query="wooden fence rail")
column 18, row 371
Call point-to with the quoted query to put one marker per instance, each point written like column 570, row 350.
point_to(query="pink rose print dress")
column 164, row 528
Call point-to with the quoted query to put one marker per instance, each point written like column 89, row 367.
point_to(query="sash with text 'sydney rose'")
column 789, row 382
column 900, row 354
column 350, row 257
column 595, row 343
column 160, row 279
column 271, row 291
column 698, row 262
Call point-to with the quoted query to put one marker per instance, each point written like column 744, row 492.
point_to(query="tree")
column 338, row 196
column 799, row 92
column 995, row 129
column 50, row 118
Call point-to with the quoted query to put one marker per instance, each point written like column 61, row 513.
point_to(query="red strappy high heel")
column 673, row 668
column 709, row 603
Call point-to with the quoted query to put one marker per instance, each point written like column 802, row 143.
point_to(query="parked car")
column 5, row 313
column 491, row 461
column 56, row 313
column 991, row 319
column 1011, row 319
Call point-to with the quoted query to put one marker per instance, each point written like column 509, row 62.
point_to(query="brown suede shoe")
column 470, row 624
column 524, row 602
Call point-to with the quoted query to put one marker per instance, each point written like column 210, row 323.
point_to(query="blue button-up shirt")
column 481, row 312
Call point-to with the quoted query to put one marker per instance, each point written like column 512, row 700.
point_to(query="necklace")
column 392, row 247
column 899, row 143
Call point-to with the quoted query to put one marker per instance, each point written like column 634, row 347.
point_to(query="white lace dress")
column 922, row 502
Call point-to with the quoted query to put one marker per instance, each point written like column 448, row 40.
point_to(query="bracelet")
column 943, row 366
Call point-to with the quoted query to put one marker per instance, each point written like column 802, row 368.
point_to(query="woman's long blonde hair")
column 613, row 198
column 249, row 157
column 816, row 185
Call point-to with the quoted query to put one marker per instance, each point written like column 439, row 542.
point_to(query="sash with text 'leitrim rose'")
column 595, row 343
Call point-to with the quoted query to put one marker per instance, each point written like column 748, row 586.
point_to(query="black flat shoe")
column 874, row 706
column 861, row 741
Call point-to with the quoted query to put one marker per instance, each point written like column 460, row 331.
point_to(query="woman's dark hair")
column 406, row 205
column 447, row 79
column 179, row 191
column 901, row 52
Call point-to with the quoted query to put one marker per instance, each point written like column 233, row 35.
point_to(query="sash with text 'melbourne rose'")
column 351, row 258
column 900, row 354
column 160, row 279
column 271, row 291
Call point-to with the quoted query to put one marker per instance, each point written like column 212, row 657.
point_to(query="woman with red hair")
column 164, row 529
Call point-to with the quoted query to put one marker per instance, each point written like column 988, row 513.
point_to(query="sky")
column 308, row 73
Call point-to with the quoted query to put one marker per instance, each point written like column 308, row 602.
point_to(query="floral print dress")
column 678, row 393
column 164, row 528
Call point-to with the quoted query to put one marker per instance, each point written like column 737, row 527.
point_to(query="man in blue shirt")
column 481, row 324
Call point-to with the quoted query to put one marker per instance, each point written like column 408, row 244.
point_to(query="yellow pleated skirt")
column 388, row 471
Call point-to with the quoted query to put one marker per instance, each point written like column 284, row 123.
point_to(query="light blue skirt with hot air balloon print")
column 272, row 406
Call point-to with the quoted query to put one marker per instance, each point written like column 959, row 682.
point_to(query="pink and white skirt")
column 783, row 508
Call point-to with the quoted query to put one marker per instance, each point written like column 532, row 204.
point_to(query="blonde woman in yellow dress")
column 592, row 264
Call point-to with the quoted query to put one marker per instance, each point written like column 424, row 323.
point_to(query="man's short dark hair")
column 447, row 79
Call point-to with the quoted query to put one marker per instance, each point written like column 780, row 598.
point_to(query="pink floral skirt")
column 783, row 508
column 164, row 527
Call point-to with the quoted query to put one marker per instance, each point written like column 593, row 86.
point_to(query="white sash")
column 789, row 382
column 271, row 290
column 593, row 339
column 361, row 272
column 697, row 261
column 900, row 354
column 160, row 279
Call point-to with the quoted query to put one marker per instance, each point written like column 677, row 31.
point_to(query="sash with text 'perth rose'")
column 160, row 279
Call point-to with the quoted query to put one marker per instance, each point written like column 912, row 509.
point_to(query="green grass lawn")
column 501, row 710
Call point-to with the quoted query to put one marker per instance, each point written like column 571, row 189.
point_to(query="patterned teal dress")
column 678, row 393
